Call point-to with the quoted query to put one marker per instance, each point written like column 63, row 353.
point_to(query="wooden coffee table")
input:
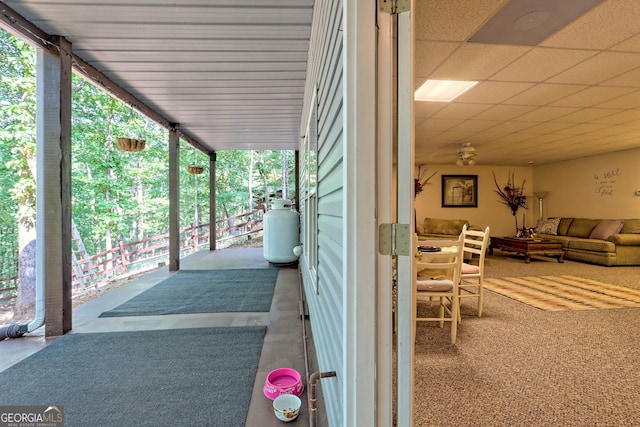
column 528, row 247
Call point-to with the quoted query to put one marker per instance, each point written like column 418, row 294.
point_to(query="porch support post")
column 212, row 202
column 53, row 184
column 174, row 199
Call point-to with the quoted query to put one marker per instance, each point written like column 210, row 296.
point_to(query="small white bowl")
column 286, row 407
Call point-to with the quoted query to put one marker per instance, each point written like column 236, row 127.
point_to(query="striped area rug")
column 562, row 293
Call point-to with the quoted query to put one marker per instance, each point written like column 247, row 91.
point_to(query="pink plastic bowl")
column 283, row 381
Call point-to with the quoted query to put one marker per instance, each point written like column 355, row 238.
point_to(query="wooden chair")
column 471, row 285
column 438, row 264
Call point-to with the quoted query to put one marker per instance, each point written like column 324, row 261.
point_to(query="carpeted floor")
column 204, row 291
column 521, row 366
column 195, row 377
column 558, row 293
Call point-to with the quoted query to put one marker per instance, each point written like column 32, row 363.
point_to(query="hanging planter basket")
column 130, row 144
column 195, row 170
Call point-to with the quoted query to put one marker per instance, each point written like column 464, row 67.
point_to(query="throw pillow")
column 548, row 226
column 582, row 227
column 606, row 228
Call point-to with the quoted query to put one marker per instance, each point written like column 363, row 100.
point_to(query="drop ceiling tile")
column 544, row 114
column 456, row 137
column 548, row 128
column 477, row 62
column 515, row 138
column 539, row 64
column 586, row 115
column 609, row 132
column 544, row 93
column 504, row 112
column 545, row 139
column 572, row 141
column 599, row 68
column 628, row 79
column 582, row 128
column 512, row 126
column 427, row 109
column 632, row 44
column 461, row 111
column 483, row 139
column 592, row 96
column 493, row 92
column 452, row 19
column 429, row 55
column 593, row 30
column 439, row 124
column 630, row 118
column 473, row 126
column 426, row 134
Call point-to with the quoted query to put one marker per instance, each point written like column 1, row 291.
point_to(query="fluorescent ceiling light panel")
column 442, row 90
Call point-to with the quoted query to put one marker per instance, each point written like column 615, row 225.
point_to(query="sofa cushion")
column 592, row 245
column 582, row 227
column 606, row 228
column 629, row 239
column 564, row 225
column 630, row 226
column 548, row 226
column 443, row 226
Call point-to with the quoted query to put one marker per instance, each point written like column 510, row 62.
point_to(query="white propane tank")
column 281, row 233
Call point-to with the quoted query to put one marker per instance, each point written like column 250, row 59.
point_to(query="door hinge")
column 394, row 239
column 394, row 6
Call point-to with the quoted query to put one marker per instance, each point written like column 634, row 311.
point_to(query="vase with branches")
column 512, row 196
column 421, row 180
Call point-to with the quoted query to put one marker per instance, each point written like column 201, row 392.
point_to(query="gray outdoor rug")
column 204, row 291
column 179, row 377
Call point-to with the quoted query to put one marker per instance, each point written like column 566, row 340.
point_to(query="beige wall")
column 489, row 211
column 592, row 187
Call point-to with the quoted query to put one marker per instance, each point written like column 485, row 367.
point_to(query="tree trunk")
column 25, row 306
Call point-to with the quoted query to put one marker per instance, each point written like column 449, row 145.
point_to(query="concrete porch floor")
column 284, row 343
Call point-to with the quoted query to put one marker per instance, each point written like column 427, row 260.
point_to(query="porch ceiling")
column 231, row 73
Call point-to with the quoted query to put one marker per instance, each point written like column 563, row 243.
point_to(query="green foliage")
column 116, row 195
column 17, row 131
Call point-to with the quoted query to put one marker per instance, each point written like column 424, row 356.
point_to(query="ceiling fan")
column 466, row 155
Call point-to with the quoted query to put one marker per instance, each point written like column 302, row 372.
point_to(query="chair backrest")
column 448, row 257
column 475, row 243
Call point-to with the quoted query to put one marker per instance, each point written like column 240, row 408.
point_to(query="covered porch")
column 287, row 342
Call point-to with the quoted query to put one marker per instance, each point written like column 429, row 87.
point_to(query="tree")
column 17, row 137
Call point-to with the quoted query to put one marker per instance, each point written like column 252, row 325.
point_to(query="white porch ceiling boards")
column 575, row 94
column 230, row 72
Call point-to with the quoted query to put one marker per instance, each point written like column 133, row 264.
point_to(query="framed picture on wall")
column 459, row 191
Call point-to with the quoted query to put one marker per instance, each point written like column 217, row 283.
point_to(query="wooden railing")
column 127, row 259
column 8, row 289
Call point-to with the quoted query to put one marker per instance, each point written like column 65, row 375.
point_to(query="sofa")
column 440, row 228
column 597, row 241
